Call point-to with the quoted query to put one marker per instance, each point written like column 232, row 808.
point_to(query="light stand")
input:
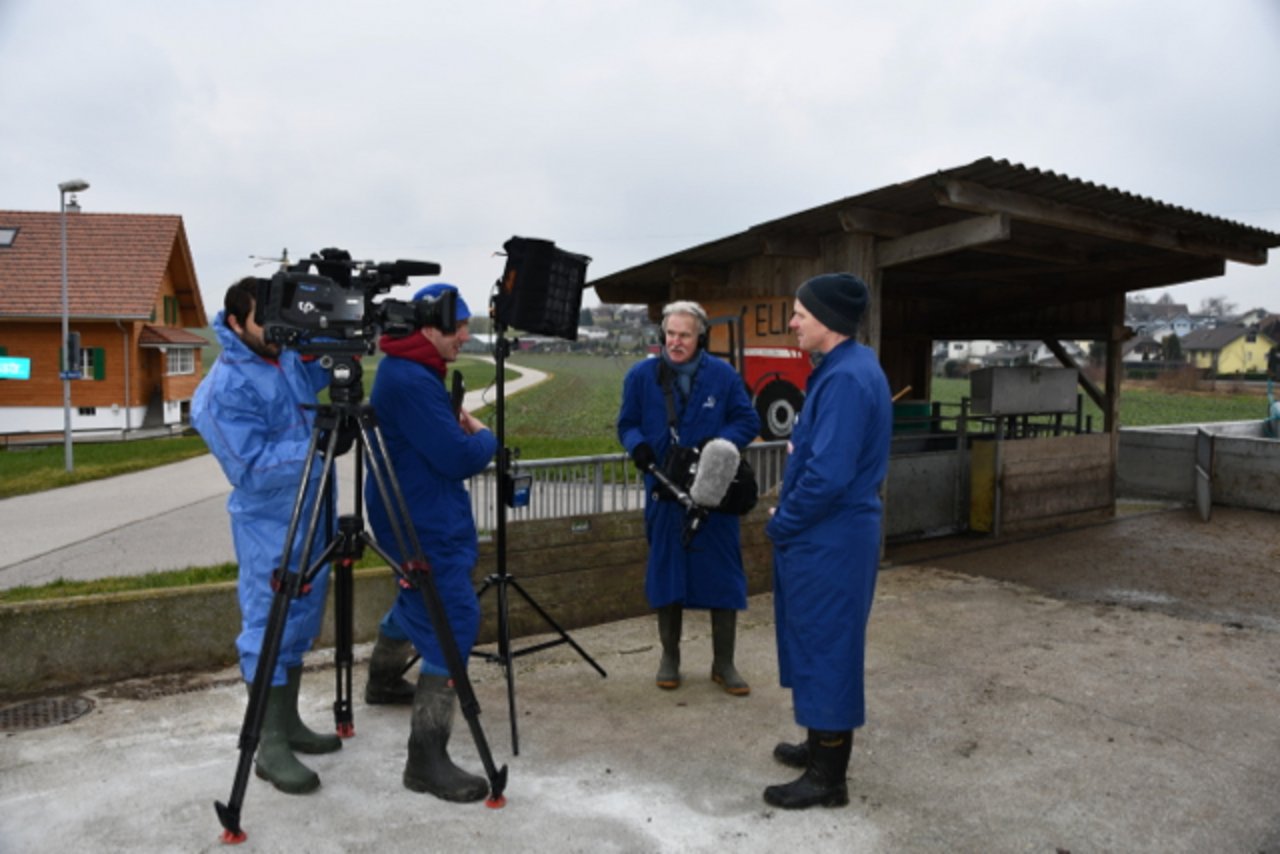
column 69, row 371
column 501, row 580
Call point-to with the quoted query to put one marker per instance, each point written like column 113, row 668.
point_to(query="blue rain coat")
column 432, row 457
column 709, row 573
column 826, row 537
column 250, row 413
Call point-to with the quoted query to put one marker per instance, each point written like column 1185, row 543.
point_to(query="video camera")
column 324, row 304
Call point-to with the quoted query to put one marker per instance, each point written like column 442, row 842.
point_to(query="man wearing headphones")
column 682, row 400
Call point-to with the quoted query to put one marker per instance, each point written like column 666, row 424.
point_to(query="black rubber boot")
column 386, row 685
column 275, row 761
column 724, row 637
column 823, row 781
column 670, row 625
column 429, row 768
column 302, row 739
column 792, row 755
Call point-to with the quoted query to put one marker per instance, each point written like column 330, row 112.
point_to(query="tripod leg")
column 564, row 636
column 504, row 653
column 288, row 585
column 251, row 729
column 417, row 573
column 344, row 620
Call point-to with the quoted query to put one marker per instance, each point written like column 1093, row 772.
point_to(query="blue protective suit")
column 826, row 537
column 432, row 457
column 709, row 573
column 250, row 413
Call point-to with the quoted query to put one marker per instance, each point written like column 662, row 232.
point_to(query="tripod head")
column 346, row 381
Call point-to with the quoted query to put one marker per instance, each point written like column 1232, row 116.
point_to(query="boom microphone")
column 717, row 466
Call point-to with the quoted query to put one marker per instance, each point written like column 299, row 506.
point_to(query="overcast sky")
column 620, row 130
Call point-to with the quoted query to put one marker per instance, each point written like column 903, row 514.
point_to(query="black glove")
column 643, row 456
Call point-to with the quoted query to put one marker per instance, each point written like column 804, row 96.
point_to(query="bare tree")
column 1217, row 306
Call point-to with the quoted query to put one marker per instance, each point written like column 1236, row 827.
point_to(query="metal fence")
column 582, row 486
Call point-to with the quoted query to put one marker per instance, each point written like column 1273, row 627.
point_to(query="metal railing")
column 582, row 486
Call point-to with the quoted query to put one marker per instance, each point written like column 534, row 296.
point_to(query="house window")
column 7, row 236
column 180, row 361
column 93, row 363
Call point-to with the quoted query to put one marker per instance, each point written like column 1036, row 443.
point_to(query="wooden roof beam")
column 965, row 195
column 944, row 240
column 1090, row 387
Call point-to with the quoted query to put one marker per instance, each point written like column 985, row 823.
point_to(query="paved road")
column 164, row 518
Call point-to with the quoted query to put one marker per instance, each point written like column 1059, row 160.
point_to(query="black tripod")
column 347, row 417
column 501, row 580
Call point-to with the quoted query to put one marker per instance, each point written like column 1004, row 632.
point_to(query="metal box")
column 1023, row 390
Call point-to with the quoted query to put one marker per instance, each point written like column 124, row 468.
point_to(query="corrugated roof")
column 115, row 265
column 916, row 205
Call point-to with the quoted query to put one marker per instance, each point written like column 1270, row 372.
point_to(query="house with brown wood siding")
column 132, row 295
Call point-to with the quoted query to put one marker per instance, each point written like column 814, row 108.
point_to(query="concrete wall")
column 581, row 571
column 1159, row 462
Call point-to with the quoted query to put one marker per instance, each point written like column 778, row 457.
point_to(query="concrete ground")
column 1000, row 719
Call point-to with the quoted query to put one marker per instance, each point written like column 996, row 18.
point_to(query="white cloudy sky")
column 622, row 130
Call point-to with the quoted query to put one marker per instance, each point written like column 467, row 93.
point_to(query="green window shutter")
column 153, row 314
column 99, row 363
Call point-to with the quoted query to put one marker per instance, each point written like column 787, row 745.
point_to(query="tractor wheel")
column 777, row 404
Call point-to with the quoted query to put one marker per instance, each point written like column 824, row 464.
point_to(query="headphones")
column 695, row 311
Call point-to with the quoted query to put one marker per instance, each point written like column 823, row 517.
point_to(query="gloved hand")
column 643, row 456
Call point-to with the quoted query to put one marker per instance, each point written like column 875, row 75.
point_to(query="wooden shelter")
column 990, row 250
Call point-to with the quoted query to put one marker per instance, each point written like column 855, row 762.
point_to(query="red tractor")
column 775, row 377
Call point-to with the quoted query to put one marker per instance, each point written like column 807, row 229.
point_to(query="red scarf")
column 415, row 348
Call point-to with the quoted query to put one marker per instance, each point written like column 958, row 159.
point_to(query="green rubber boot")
column 275, row 761
column 428, row 767
column 670, row 625
column 386, row 685
column 302, row 738
column 724, row 637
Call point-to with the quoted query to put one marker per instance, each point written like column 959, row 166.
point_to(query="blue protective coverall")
column 826, row 537
column 250, row 413
column 709, row 573
column 432, row 457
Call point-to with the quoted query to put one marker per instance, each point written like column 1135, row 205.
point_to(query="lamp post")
column 73, row 186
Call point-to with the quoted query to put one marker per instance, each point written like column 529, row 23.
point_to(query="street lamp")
column 75, row 185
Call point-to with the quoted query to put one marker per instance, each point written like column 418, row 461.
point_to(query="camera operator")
column 251, row 411
column 682, row 400
column 434, row 451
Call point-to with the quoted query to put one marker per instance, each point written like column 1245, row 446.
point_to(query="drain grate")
column 42, row 713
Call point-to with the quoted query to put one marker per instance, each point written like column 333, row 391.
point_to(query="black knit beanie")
column 836, row 299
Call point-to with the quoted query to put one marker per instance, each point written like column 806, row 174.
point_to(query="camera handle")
column 344, row 549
